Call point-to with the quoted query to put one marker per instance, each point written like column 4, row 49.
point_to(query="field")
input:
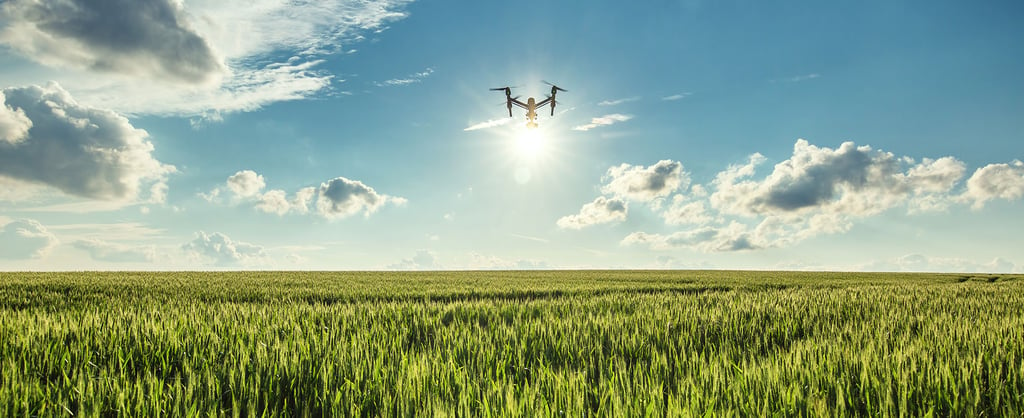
column 608, row 343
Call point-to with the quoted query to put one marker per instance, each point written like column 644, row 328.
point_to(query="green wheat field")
column 573, row 343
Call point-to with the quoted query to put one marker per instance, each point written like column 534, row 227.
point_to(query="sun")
column 530, row 142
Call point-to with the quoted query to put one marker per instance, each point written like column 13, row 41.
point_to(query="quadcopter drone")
column 531, row 105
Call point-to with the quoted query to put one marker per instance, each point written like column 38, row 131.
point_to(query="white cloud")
column 675, row 97
column 222, row 250
column 144, row 38
column 80, row 150
column 412, row 78
column 14, row 125
column 195, row 58
column 618, row 101
column 603, row 121
column 601, row 210
column 423, row 260
column 337, row 198
column 489, row 262
column 684, row 212
column 923, row 263
column 731, row 237
column 113, row 252
column 816, row 191
column 25, row 238
column 995, row 181
column 246, row 183
column 645, row 183
column 851, row 180
column 488, row 124
column 341, row 197
column 803, row 77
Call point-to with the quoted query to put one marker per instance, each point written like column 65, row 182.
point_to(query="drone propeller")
column 554, row 86
column 500, row 88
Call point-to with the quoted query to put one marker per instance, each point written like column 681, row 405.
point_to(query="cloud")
column 144, row 38
column 80, row 150
column 107, row 251
column 675, row 97
column 601, row 210
column 276, row 201
column 337, row 198
column 489, row 262
column 196, row 58
column 799, row 78
column 645, row 183
column 488, row 124
column 618, row 101
column 341, row 197
column 684, row 212
column 731, row 237
column 995, row 181
column 14, row 125
column 603, row 121
column 423, row 260
column 412, row 78
column 923, row 263
column 850, row 180
column 221, row 250
column 246, row 183
column 25, row 238
column 818, row 190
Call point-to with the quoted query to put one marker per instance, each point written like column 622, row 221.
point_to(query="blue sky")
column 159, row 134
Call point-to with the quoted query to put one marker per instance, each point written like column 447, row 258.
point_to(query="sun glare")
column 530, row 142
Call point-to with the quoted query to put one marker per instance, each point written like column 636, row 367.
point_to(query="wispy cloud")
column 799, row 78
column 603, row 121
column 410, row 79
column 488, row 124
column 618, row 101
column 675, row 97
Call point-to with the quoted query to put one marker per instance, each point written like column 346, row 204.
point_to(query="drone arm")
column 544, row 102
column 518, row 103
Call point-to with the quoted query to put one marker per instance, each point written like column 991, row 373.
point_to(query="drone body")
column 531, row 105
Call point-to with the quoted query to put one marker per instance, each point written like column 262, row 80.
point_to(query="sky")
column 362, row 135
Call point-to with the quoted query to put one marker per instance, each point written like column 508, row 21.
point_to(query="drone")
column 531, row 105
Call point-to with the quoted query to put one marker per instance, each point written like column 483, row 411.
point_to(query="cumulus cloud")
column 489, row 262
column 818, row 190
column 488, row 124
column 80, row 150
column 731, row 237
column 277, row 202
column 206, row 56
column 14, row 125
column 341, row 197
column 601, row 210
column 684, row 212
column 222, row 250
column 25, row 238
column 851, row 180
column 246, row 183
column 641, row 183
column 603, row 121
column 923, row 263
column 995, row 181
column 146, row 38
column 337, row 198
column 423, row 260
column 118, row 253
